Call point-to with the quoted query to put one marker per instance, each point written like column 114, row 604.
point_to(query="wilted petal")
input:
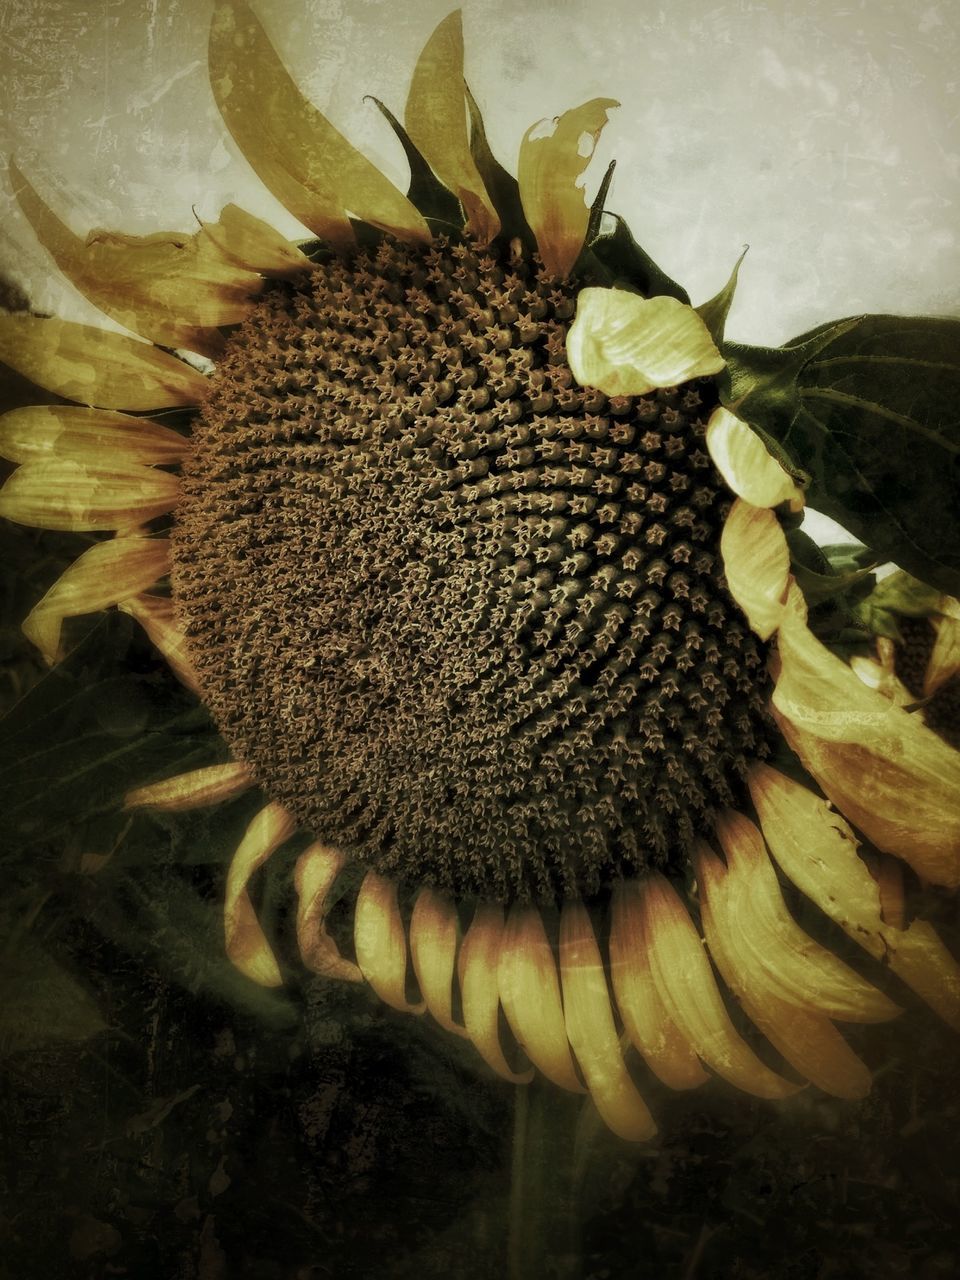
column 627, row 345
column 591, row 1031
column 381, row 942
column 295, row 151
column 92, row 437
column 944, row 661
column 317, row 869
column 253, row 244
column 530, row 994
column 247, row 945
column 436, row 120
column 667, row 1052
column 687, row 987
column 434, row 933
column 756, row 560
column 478, row 965
column 212, row 784
column 888, row 773
column 65, row 495
column 95, row 367
column 749, row 469
column 105, row 574
column 157, row 617
column 553, row 156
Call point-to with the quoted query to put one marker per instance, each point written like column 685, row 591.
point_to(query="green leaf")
column 897, row 596
column 40, row 1002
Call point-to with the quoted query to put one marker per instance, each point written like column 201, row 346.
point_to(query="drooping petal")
column 105, row 574
column 247, row 945
column 157, row 617
column 591, row 1030
column 944, row 661
column 295, row 151
column 62, row 494
column 807, row 1040
column 381, row 942
column 434, row 933
column 817, row 850
column 92, row 437
column 253, row 244
column 877, row 676
column 749, row 469
column 756, row 560
column 686, row 985
column 436, row 120
column 478, row 965
column 530, row 994
column 654, row 1034
column 553, row 156
column 880, row 765
column 316, row 870
column 212, row 784
column 173, row 288
column 628, row 345
column 770, row 944
column 95, row 367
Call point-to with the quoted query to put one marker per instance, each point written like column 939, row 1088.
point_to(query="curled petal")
column 530, row 994
column 480, row 993
column 591, row 1030
column 553, row 156
column 628, row 345
column 63, row 494
column 317, row 869
column 877, row 676
column 888, row 773
column 253, row 244
column 749, row 469
column 756, row 560
column 295, row 151
column 92, row 437
column 434, row 932
column 765, row 937
column 105, row 574
column 156, row 615
column 210, row 785
column 436, row 121
column 654, row 1034
column 807, row 1040
column 686, row 985
column 381, row 942
column 817, row 850
column 247, row 945
column 944, row 661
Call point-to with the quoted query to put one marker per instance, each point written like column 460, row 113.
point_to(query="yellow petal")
column 781, row 958
column 880, row 765
column 95, row 367
column 317, row 869
column 247, row 945
column 253, row 244
column 553, row 156
column 530, row 994
column 627, row 345
column 817, row 850
column 687, row 987
column 808, row 1041
column 480, row 993
column 212, row 784
column 876, row 676
column 434, row 933
column 742, row 459
column 944, row 661
column 296, row 152
column 888, row 873
column 156, row 615
column 381, row 942
column 436, row 120
column 169, row 287
column 65, row 495
column 666, row 1051
column 756, row 560
column 92, row 437
column 591, row 1031
column 105, row 574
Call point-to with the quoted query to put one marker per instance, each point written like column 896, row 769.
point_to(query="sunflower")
column 455, row 521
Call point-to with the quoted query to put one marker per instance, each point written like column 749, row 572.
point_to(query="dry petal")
column 756, row 560
column 749, row 469
column 478, row 965
column 247, row 945
column 59, row 494
column 92, row 437
column 434, row 933
column 317, row 869
column 381, row 942
column 212, row 784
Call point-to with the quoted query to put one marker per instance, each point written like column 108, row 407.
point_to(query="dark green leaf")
column 426, row 191
column 502, row 186
column 714, row 312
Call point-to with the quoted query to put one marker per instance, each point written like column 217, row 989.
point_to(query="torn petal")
column 62, row 494
column 92, row 437
column 742, row 459
column 381, row 942
column 213, row 784
column 247, row 945
column 627, row 345
column 756, row 560
column 434, row 933
column 480, row 993
column 317, row 869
